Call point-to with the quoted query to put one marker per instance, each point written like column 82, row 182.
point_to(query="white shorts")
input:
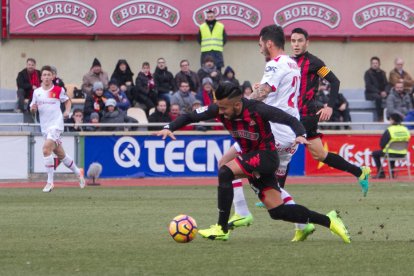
column 55, row 135
column 285, row 152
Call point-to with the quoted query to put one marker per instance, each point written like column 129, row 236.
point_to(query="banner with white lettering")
column 356, row 149
column 150, row 156
column 247, row 17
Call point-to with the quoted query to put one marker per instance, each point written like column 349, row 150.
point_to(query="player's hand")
column 301, row 140
column 325, row 113
column 33, row 108
column 66, row 114
column 164, row 133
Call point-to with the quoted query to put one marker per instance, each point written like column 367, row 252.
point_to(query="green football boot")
column 214, row 233
column 238, row 221
column 364, row 179
column 337, row 226
column 302, row 234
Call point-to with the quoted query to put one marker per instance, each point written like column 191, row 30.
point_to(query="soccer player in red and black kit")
column 312, row 68
column 248, row 121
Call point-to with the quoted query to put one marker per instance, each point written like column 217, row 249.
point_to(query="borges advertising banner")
column 241, row 18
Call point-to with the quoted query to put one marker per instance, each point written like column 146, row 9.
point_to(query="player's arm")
column 261, row 92
column 325, row 73
column 200, row 114
column 68, row 107
column 276, row 115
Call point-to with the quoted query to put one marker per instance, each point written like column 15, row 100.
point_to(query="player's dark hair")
column 275, row 34
column 375, row 58
column 227, row 90
column 300, row 31
column 46, row 68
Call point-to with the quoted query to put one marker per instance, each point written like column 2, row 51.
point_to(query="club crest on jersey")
column 252, row 123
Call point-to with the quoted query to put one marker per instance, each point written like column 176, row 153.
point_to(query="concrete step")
column 8, row 105
column 8, row 117
column 8, row 94
column 361, row 104
column 353, row 94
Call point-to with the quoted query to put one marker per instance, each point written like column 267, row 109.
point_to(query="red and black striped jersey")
column 312, row 68
column 251, row 129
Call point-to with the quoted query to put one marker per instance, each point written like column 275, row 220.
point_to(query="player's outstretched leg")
column 70, row 164
column 242, row 215
column 300, row 214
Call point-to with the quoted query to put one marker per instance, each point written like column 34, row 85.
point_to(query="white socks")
column 239, row 201
column 288, row 200
column 49, row 164
column 70, row 164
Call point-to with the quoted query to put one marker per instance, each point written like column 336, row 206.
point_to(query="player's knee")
column 225, row 176
column 319, row 155
column 277, row 213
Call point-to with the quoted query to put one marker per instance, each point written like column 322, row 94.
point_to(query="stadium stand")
column 139, row 115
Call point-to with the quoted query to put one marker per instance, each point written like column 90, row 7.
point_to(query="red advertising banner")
column 356, row 149
column 241, row 18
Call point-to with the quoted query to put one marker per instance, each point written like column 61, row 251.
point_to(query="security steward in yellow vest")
column 395, row 132
column 212, row 37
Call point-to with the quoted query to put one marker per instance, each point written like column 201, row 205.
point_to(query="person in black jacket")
column 160, row 115
column 164, row 80
column 27, row 81
column 375, row 86
column 145, row 92
column 123, row 76
column 95, row 102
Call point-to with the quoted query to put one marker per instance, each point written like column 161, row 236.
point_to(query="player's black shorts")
column 264, row 163
column 311, row 125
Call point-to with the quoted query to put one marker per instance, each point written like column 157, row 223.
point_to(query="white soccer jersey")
column 48, row 104
column 283, row 75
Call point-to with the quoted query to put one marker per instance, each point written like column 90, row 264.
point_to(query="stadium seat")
column 69, row 91
column 152, row 110
column 138, row 114
column 398, row 146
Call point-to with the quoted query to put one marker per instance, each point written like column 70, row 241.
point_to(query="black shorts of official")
column 264, row 163
column 311, row 125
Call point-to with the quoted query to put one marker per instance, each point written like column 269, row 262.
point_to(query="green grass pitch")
column 123, row 231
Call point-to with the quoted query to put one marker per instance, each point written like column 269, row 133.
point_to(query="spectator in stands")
column 187, row 75
column 123, row 75
column 27, row 81
column 56, row 80
column 212, row 37
column 341, row 111
column 230, row 76
column 206, row 94
column 95, row 74
column 399, row 75
column 145, row 90
column 76, row 119
column 247, row 89
column 184, row 98
column 113, row 115
column 94, row 119
column 390, row 136
column 160, row 115
column 175, row 112
column 164, row 80
column 375, row 86
column 119, row 96
column 95, row 102
column 208, row 69
column 398, row 101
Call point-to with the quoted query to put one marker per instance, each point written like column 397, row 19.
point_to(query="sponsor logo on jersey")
column 69, row 9
column 153, row 10
column 307, row 11
column 384, row 11
column 229, row 10
column 245, row 134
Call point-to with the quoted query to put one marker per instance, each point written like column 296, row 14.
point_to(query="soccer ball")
column 183, row 228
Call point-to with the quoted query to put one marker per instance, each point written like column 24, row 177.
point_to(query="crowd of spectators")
column 164, row 96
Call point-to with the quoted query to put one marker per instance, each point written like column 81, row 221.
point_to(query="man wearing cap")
column 395, row 132
column 95, row 74
column 212, row 37
column 113, row 115
column 118, row 95
column 95, row 102
column 206, row 94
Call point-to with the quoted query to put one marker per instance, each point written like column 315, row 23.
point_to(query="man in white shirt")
column 47, row 100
